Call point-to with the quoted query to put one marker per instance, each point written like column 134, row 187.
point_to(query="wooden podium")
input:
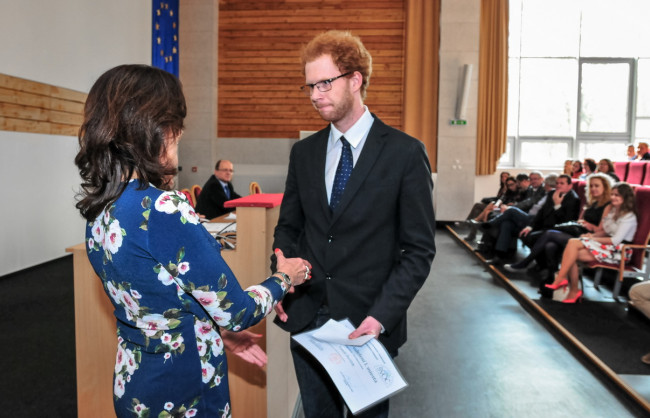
column 254, row 392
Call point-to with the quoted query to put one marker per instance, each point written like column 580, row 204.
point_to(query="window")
column 579, row 80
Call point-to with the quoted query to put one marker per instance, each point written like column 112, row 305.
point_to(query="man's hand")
column 279, row 310
column 524, row 232
column 369, row 326
column 558, row 197
column 244, row 345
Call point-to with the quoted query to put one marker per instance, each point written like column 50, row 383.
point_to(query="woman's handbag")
column 572, row 228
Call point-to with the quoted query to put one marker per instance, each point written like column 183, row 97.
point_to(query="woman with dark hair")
column 617, row 228
column 552, row 241
column 576, row 170
column 480, row 206
column 589, row 167
column 172, row 291
column 606, row 166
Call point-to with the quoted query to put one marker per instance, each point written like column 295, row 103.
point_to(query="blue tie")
column 227, row 191
column 342, row 175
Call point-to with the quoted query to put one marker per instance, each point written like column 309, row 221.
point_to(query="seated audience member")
column 568, row 167
column 589, row 167
column 617, row 228
column 523, row 186
column 606, row 166
column 640, row 297
column 509, row 198
column 642, row 151
column 577, row 169
column 217, row 191
column 631, row 153
column 533, row 194
column 549, row 246
column 480, row 206
column 559, row 205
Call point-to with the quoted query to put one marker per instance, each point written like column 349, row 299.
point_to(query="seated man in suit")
column 642, row 151
column 559, row 205
column 534, row 193
column 217, row 191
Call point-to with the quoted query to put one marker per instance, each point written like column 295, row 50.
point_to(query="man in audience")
column 217, row 191
column 643, row 152
column 560, row 205
column 533, row 193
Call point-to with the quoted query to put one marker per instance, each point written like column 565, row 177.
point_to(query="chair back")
column 254, row 188
column 642, row 235
column 196, row 191
column 188, row 194
column 620, row 168
column 635, row 172
column 646, row 178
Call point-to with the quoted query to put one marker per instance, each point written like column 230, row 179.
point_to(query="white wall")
column 67, row 43
column 459, row 45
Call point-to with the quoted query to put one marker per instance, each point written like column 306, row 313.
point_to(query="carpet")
column 37, row 354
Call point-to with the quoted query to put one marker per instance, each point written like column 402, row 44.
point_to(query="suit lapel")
column 371, row 151
column 318, row 168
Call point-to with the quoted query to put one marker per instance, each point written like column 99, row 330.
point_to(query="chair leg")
column 597, row 278
column 617, row 289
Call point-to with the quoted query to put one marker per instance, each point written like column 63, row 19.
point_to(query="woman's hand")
column 297, row 269
column 244, row 345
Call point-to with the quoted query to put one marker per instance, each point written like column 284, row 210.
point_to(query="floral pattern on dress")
column 174, row 202
column 171, row 290
column 106, row 234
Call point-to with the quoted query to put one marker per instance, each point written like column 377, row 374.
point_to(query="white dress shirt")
column 356, row 136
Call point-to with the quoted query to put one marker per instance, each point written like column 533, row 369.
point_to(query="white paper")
column 364, row 375
column 337, row 332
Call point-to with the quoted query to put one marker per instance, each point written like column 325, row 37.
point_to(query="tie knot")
column 344, row 142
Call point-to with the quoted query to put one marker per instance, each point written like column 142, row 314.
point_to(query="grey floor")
column 473, row 351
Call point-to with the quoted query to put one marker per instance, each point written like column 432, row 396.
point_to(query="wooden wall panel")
column 30, row 106
column 259, row 66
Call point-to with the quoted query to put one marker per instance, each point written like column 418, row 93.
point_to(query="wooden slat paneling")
column 259, row 66
column 30, row 106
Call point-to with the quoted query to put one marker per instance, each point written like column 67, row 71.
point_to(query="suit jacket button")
column 327, row 276
column 330, row 238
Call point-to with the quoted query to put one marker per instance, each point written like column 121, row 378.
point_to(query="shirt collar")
column 357, row 132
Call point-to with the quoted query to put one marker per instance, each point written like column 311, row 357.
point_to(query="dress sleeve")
column 626, row 228
column 190, row 257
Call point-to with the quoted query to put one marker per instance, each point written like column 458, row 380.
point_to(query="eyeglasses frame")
column 321, row 83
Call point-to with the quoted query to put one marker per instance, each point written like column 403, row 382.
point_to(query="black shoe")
column 495, row 261
column 514, row 268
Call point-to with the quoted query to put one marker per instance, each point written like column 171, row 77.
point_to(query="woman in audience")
column 588, row 167
column 606, row 166
column 568, row 167
column 552, row 242
column 604, row 245
column 510, row 197
column 173, row 293
column 480, row 206
column 577, row 169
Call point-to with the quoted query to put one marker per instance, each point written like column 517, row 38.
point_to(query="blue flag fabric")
column 164, row 39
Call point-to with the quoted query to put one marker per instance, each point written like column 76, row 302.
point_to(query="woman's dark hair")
column 591, row 164
column 629, row 201
column 130, row 112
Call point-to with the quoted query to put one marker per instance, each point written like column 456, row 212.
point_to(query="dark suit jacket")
column 374, row 252
column 548, row 216
column 212, row 197
column 530, row 198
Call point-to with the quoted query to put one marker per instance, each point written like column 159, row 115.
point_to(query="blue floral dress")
column 172, row 291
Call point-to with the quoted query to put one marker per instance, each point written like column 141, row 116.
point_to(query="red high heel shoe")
column 578, row 298
column 563, row 283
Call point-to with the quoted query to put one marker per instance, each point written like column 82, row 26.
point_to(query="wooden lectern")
column 254, row 392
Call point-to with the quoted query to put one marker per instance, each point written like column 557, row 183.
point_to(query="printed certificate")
column 364, row 374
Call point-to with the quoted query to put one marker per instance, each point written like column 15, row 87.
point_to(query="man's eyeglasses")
column 322, row 86
column 227, row 170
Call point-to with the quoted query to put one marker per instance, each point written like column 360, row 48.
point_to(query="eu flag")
column 164, row 40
